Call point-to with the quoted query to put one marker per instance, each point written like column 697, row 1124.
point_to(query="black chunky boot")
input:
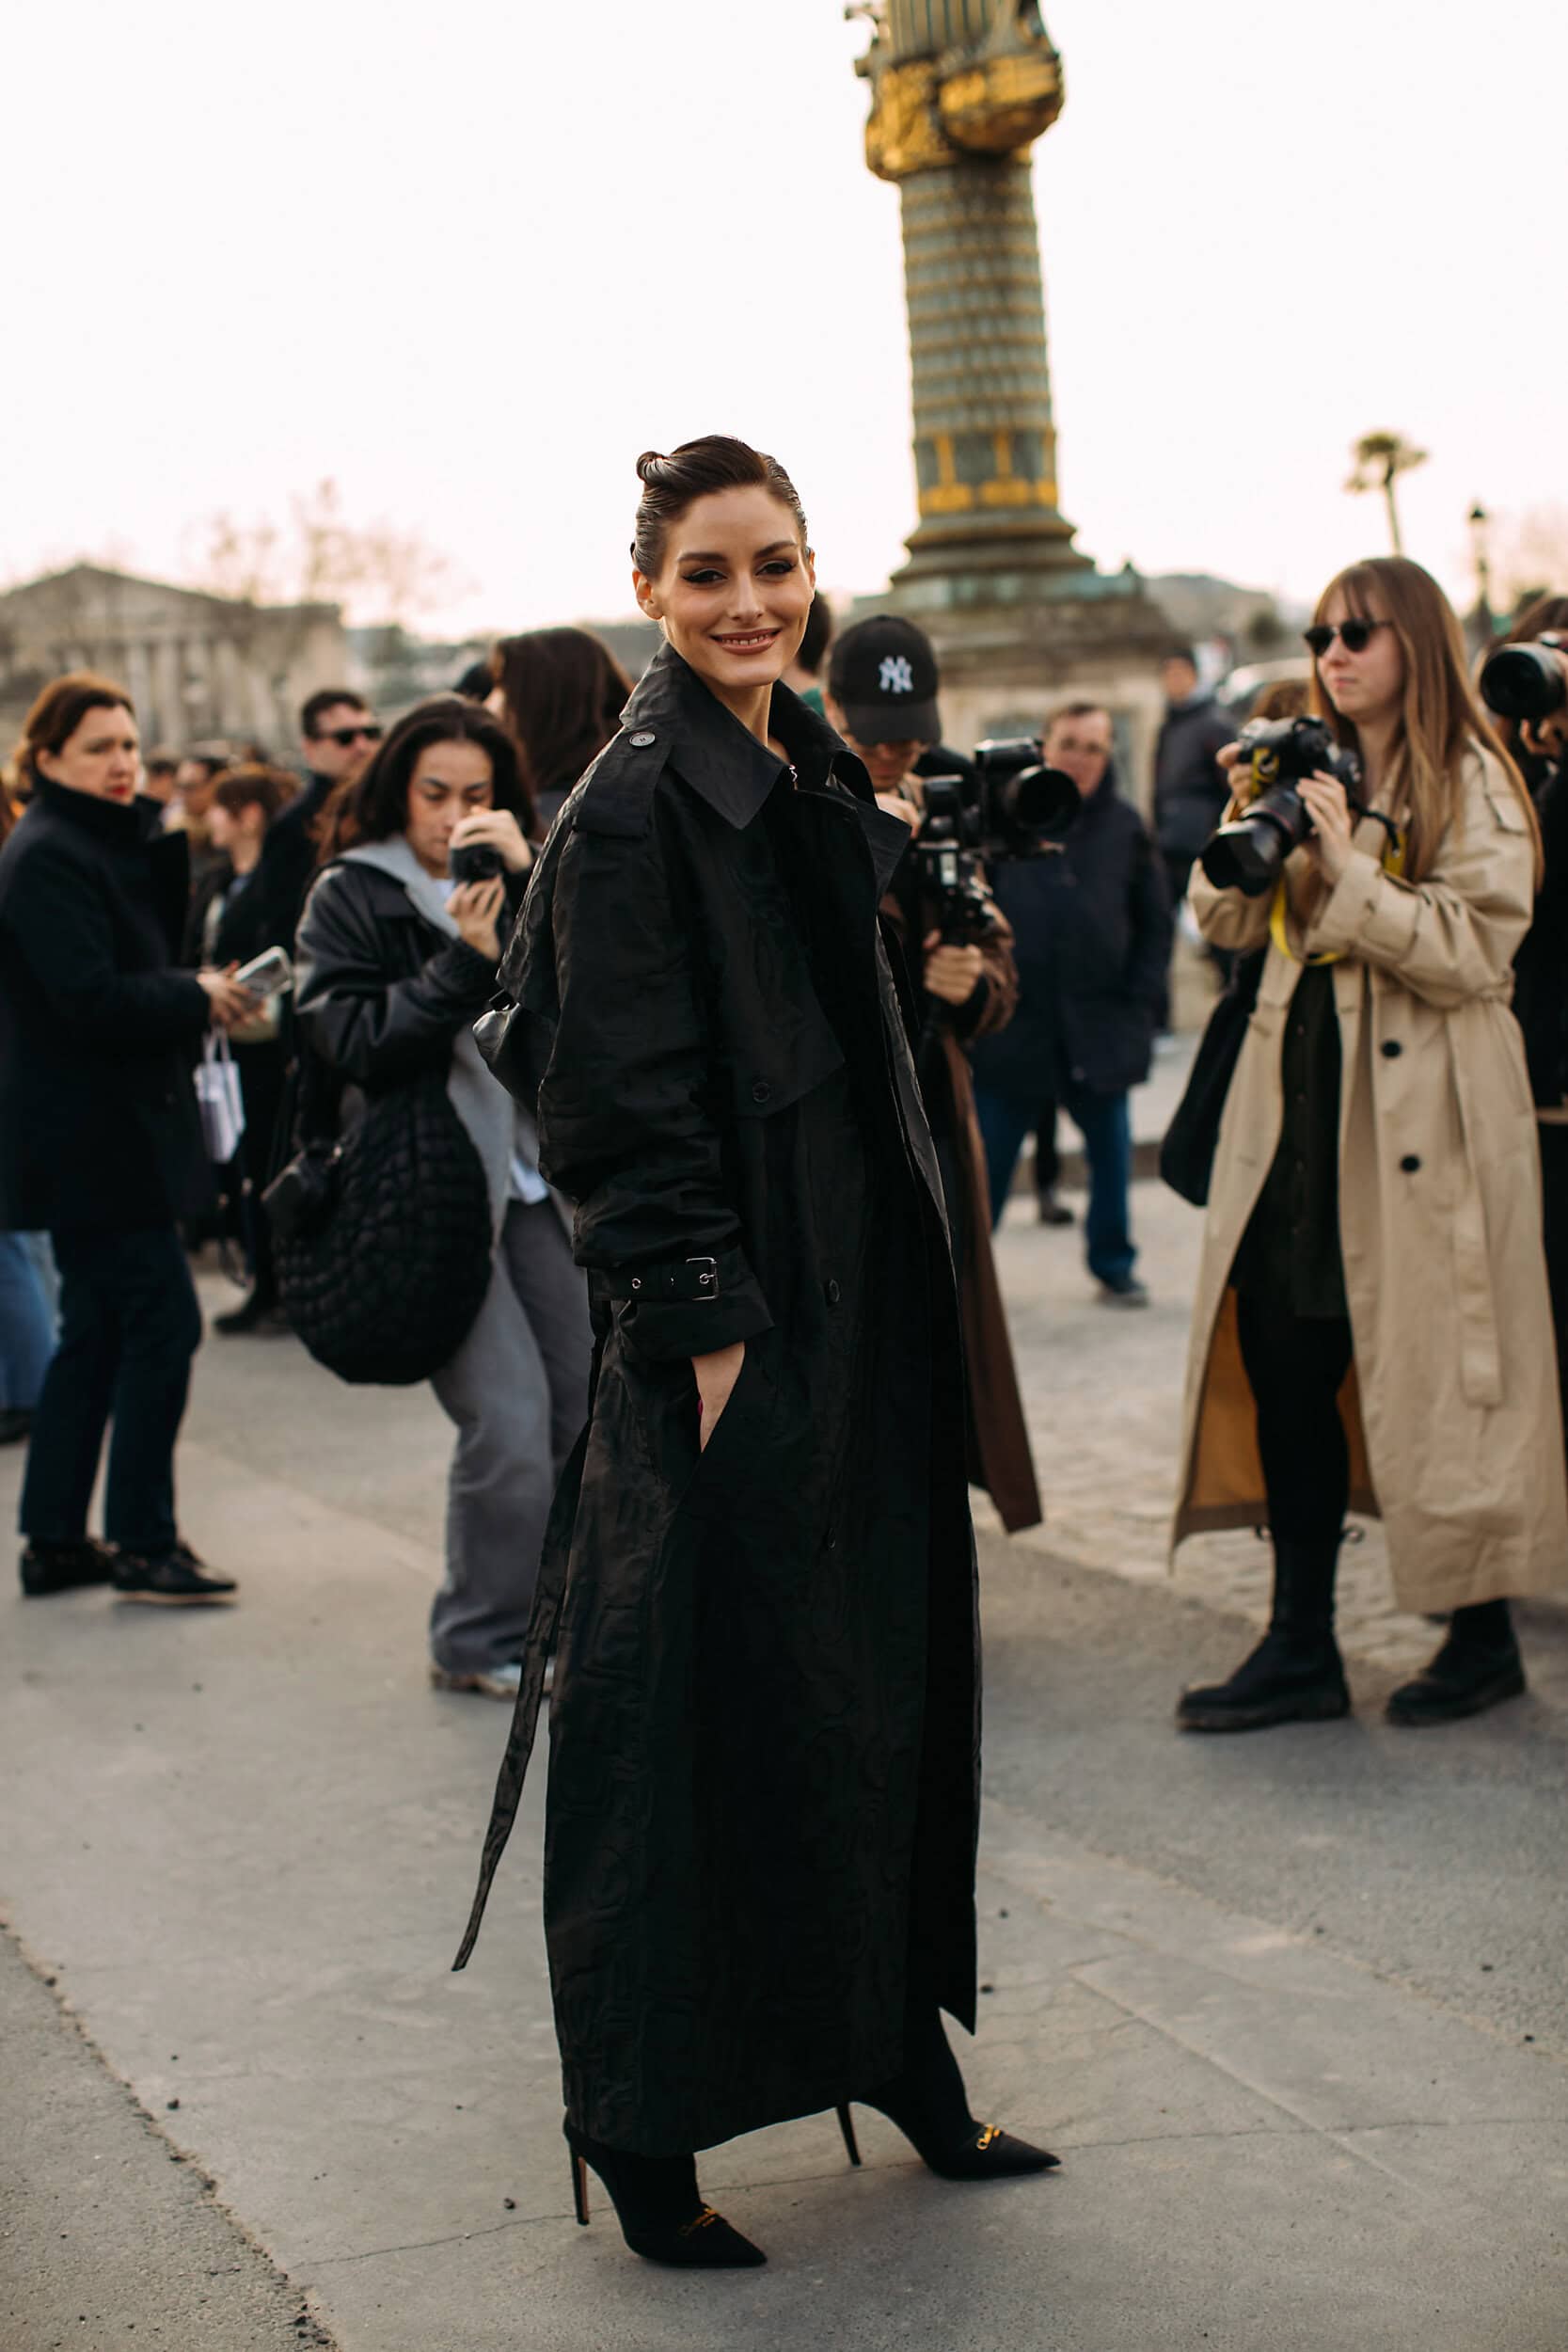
column 1477, row 1666
column 928, row 2101
column 659, row 2208
column 1295, row 1674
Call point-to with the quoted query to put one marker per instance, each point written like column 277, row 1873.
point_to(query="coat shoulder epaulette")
column 616, row 793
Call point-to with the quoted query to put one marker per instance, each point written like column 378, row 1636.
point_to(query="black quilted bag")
column 1187, row 1153
column 383, row 1240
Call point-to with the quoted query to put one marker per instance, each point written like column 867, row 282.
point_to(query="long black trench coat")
column 764, row 1723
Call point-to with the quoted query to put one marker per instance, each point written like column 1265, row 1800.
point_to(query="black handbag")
column 382, row 1234
column 1187, row 1153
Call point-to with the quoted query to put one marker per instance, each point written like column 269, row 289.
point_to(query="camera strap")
column 1392, row 862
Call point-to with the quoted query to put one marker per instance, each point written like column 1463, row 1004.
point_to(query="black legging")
column 1295, row 1369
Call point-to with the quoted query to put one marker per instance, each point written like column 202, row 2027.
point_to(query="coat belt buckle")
column 707, row 1284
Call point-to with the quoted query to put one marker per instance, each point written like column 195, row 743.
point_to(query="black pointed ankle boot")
column 1295, row 1674
column 1477, row 1666
column 659, row 2208
column 928, row 2101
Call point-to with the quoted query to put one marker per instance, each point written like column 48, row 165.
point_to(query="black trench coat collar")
column 688, row 727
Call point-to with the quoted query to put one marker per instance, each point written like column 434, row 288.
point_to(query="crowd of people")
column 742, row 1070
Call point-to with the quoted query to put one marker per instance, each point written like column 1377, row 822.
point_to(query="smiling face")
column 1366, row 688
column 733, row 591
column 102, row 758
column 451, row 781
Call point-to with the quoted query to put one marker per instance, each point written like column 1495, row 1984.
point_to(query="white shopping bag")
column 218, row 1096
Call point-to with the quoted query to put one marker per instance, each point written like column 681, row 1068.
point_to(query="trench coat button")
column 642, row 738
column 761, row 1091
column 831, row 1292
column 1391, row 1049
column 1410, row 1162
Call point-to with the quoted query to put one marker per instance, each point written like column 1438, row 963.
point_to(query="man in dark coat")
column 764, row 1731
column 338, row 731
column 1190, row 791
column 100, row 1143
column 1092, row 930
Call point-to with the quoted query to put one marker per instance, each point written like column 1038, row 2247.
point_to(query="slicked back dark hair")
column 693, row 471
column 374, row 805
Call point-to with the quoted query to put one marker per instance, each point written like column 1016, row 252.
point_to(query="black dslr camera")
column 1528, row 681
column 1249, row 853
column 1009, row 806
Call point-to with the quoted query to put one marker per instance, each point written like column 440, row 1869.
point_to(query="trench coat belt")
column 688, row 1280
column 542, row 1626
column 1479, row 1356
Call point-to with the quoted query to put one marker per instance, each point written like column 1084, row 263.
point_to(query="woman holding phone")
column 1372, row 1329
column 101, row 1142
column 396, row 960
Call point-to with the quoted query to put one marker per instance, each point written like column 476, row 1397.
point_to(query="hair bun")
column 650, row 464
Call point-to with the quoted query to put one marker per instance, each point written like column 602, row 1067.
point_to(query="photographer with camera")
column 881, row 697
column 1524, row 681
column 424, row 867
column 1093, row 929
column 1371, row 1327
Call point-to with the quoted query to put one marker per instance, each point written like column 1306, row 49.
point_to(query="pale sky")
column 470, row 259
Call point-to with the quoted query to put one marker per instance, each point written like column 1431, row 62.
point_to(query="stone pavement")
column 1291, row 2011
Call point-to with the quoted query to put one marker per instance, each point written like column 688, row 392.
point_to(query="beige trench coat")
column 1451, row 1405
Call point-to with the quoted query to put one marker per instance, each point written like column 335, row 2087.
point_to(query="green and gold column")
column 960, row 89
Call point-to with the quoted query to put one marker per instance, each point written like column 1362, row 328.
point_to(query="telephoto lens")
column 1525, row 682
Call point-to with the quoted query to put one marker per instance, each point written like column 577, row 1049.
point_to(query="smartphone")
column 476, row 861
column 266, row 974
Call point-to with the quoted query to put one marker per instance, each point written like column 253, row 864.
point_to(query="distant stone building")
column 195, row 665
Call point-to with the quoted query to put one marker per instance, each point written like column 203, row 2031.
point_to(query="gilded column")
column 960, row 89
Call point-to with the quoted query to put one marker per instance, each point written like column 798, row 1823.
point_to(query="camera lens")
column 1247, row 856
column 1524, row 682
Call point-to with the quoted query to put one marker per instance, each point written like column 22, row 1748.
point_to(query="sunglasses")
column 1355, row 636
column 343, row 737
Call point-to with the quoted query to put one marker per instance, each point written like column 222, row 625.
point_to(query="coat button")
column 1391, row 1049
column 761, row 1091
column 642, row 738
column 1410, row 1162
column 831, row 1293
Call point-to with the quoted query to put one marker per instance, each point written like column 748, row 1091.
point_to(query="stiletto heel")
column 928, row 2103
column 851, row 2145
column 659, row 2207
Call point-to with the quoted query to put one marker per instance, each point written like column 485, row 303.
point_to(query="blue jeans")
column 129, row 1326
column 1102, row 1121
column 26, row 1325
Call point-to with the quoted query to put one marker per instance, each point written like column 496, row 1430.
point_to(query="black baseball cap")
column 883, row 678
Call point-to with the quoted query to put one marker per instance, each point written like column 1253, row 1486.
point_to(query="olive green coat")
column 1451, row 1404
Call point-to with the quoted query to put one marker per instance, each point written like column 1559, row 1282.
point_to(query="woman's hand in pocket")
column 716, row 1377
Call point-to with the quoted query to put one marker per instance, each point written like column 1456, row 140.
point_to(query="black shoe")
column 659, row 2208
column 1477, row 1666
column 64, row 1567
column 16, row 1422
column 1295, row 1674
column 1054, row 1212
column 173, row 1580
column 928, row 2104
column 1289, row 1679
column 258, row 1313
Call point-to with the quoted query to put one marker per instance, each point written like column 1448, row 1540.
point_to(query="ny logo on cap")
column 896, row 676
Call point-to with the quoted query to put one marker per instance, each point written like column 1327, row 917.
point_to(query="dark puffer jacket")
column 1190, row 793
column 1091, row 937
column 98, row 1032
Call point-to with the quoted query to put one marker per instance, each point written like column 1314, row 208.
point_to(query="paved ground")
column 1292, row 2007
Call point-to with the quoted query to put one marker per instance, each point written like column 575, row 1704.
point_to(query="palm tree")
column 1380, row 459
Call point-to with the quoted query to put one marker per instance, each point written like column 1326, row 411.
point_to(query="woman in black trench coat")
column 759, row 1576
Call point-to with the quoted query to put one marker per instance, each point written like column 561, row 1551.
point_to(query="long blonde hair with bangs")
column 1443, row 717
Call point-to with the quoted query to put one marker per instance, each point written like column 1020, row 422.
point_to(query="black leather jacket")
column 380, row 992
